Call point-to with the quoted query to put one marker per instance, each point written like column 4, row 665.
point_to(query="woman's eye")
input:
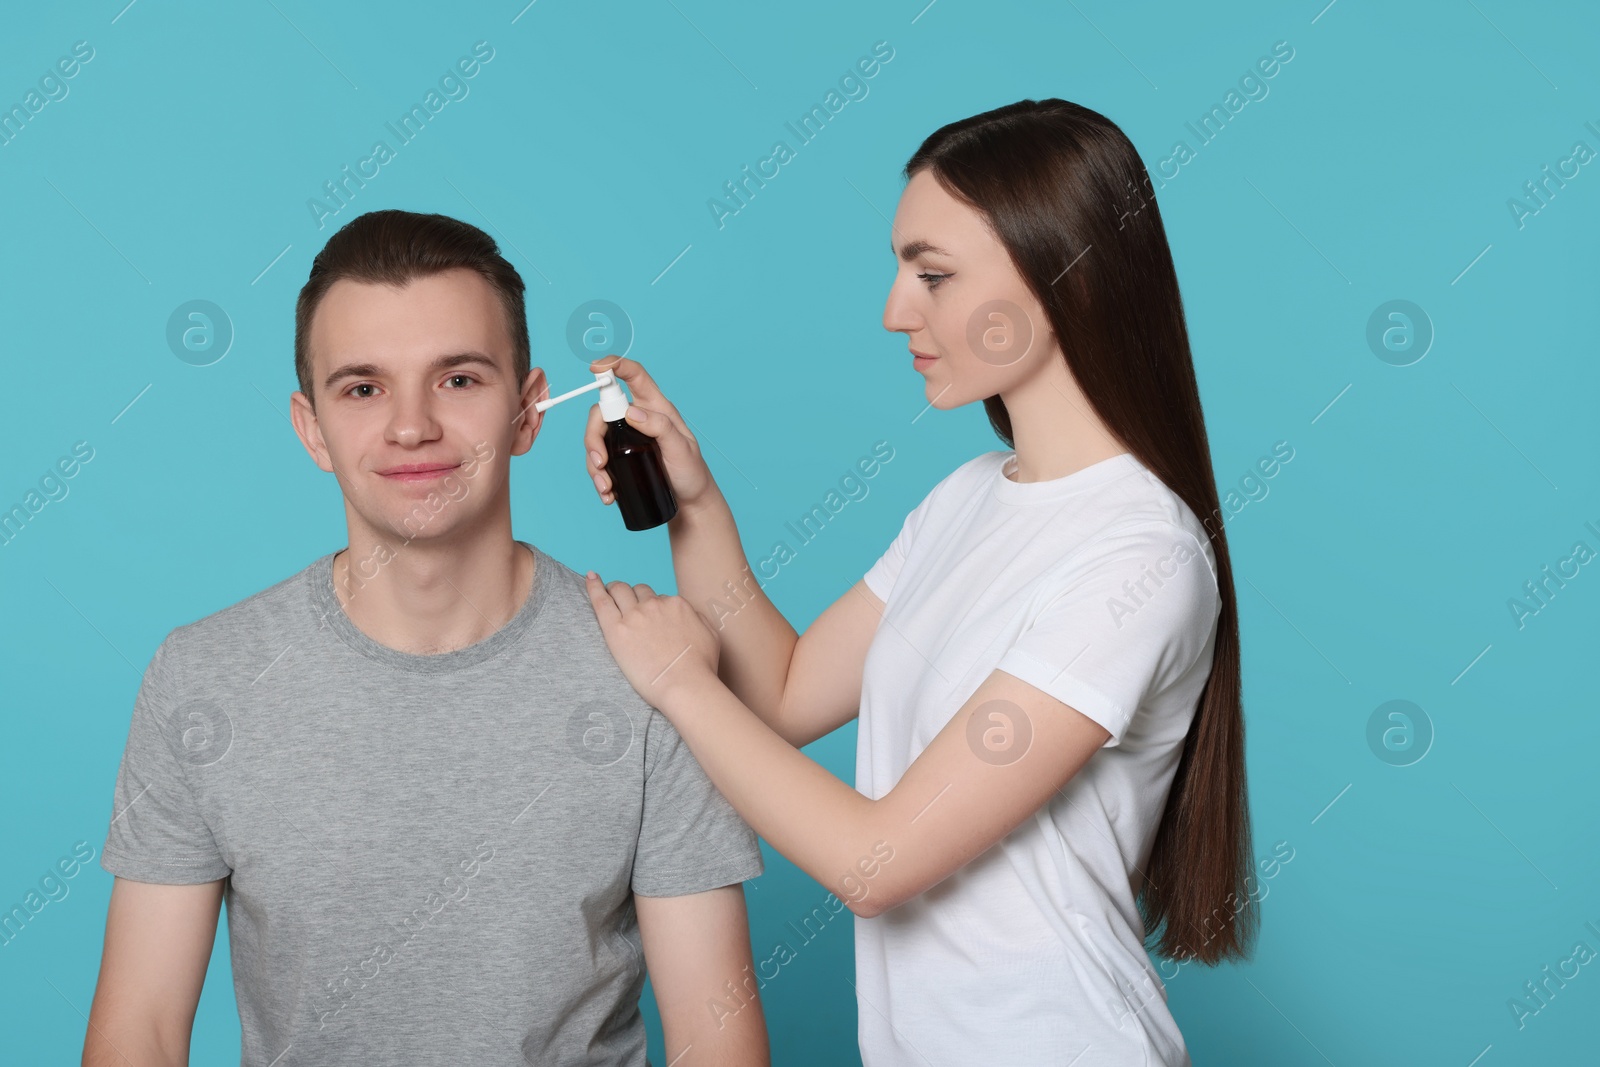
column 932, row 279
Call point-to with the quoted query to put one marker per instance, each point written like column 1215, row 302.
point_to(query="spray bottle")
column 633, row 459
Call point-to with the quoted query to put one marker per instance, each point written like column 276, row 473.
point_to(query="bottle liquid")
column 633, row 459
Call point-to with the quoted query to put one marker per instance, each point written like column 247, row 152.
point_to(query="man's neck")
column 431, row 597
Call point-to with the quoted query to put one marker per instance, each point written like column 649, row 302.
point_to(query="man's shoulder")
column 554, row 570
column 257, row 620
column 566, row 616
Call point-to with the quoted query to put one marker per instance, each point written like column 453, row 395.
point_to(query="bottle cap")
column 613, row 401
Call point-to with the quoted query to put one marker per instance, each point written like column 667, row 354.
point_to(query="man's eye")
column 461, row 377
column 932, row 279
column 361, row 385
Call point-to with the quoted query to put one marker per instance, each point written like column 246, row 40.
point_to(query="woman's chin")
column 941, row 395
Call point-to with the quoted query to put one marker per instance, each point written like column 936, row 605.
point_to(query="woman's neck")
column 1055, row 430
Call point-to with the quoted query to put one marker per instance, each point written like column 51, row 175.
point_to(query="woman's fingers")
column 646, row 392
column 594, row 454
column 677, row 449
column 594, row 439
column 654, row 423
column 623, row 595
column 653, row 415
column 605, row 608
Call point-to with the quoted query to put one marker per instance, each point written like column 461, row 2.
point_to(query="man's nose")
column 411, row 418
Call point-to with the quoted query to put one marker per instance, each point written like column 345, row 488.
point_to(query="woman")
column 1045, row 660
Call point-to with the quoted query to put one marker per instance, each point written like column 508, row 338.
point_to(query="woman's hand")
column 660, row 642
column 680, row 452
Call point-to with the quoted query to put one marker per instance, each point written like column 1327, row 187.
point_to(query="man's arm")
column 695, row 945
column 158, row 943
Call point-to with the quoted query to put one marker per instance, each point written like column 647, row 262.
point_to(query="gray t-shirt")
column 431, row 859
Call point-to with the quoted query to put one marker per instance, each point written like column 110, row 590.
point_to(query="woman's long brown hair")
column 1069, row 198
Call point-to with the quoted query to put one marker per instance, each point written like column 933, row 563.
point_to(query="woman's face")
column 960, row 301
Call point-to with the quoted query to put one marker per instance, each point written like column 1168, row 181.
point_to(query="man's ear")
column 534, row 389
column 309, row 430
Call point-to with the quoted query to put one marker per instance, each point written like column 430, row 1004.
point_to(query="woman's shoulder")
column 1144, row 508
column 967, row 479
column 1148, row 499
column 975, row 473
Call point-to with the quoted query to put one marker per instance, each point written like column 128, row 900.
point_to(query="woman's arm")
column 714, row 576
column 951, row 805
column 802, row 686
column 998, row 760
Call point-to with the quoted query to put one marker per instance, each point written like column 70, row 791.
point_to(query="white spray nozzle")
column 601, row 380
column 613, row 401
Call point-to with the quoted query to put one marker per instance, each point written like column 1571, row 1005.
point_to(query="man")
column 446, row 827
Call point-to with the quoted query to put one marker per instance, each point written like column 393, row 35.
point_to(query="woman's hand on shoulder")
column 660, row 642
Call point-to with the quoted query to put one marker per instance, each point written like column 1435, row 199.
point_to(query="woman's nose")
column 898, row 314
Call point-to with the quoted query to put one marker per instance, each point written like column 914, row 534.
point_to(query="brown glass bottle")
column 638, row 477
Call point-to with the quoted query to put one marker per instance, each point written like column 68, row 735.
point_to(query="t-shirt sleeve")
column 880, row 577
column 690, row 838
column 1135, row 612
column 157, row 831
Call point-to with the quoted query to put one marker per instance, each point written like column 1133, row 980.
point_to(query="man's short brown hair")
column 393, row 247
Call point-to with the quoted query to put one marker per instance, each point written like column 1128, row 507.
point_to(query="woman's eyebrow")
column 912, row 249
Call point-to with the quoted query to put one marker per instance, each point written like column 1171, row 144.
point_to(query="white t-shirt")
column 1099, row 589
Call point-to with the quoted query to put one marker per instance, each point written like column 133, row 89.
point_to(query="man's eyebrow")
column 912, row 249
column 369, row 370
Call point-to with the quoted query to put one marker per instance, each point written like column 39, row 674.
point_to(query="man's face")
column 417, row 411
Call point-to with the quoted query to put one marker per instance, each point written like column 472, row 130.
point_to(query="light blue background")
column 1419, row 500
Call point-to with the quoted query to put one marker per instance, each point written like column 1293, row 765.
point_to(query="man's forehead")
column 417, row 321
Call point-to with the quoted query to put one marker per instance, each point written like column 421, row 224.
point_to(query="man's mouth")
column 418, row 472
